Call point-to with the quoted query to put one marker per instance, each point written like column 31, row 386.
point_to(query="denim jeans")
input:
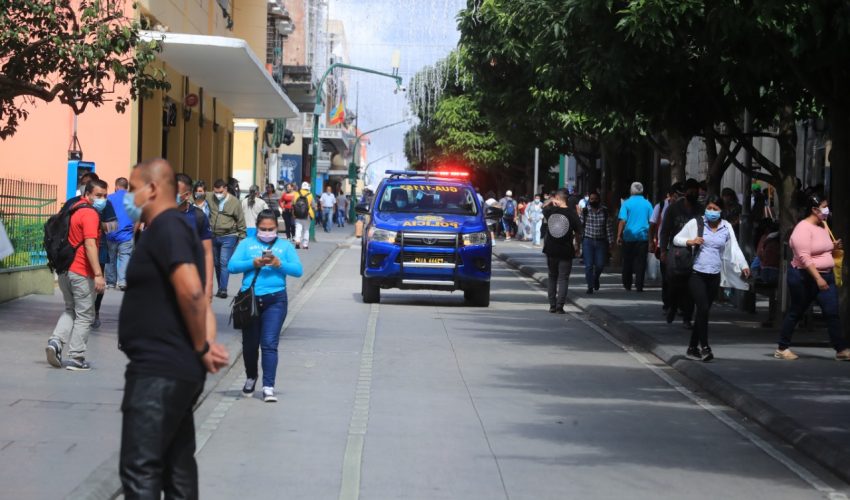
column 340, row 217
column 559, row 280
column 802, row 290
column 327, row 217
column 158, row 438
column 264, row 334
column 223, row 247
column 74, row 324
column 595, row 253
column 634, row 262
column 119, row 257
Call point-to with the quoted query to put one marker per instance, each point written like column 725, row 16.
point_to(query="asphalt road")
column 421, row 397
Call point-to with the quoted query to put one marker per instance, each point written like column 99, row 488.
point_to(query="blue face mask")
column 712, row 215
column 99, row 204
column 134, row 212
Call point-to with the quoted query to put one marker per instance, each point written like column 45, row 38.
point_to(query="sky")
column 423, row 31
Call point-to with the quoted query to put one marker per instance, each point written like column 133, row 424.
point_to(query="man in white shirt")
column 327, row 202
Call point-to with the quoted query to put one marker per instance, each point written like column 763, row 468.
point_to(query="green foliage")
column 50, row 50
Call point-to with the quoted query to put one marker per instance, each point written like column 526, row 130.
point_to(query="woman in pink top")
column 810, row 277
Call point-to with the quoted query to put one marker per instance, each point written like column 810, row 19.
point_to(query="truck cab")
column 426, row 231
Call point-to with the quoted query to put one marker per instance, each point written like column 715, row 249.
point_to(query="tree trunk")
column 785, row 190
column 678, row 154
column 839, row 160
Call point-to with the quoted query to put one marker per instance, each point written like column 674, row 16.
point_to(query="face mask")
column 180, row 200
column 824, row 213
column 200, row 196
column 267, row 236
column 536, row 201
column 220, row 196
column 712, row 215
column 99, row 204
column 134, row 212
column 594, row 204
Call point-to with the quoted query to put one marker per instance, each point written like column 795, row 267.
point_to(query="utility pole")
column 536, row 171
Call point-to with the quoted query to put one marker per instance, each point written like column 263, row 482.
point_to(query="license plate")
column 429, row 260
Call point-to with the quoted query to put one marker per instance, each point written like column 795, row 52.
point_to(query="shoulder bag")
column 680, row 260
column 838, row 257
column 244, row 308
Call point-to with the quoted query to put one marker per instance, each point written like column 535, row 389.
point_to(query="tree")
column 78, row 54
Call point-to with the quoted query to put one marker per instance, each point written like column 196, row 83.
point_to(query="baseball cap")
column 305, row 185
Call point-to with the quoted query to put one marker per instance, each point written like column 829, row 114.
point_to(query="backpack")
column 680, row 260
column 60, row 252
column 301, row 207
column 510, row 208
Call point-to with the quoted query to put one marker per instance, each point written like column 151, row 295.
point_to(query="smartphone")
column 267, row 253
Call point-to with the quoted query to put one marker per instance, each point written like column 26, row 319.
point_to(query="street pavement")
column 60, row 430
column 805, row 402
column 422, row 397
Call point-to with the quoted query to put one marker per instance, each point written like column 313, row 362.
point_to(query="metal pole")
column 536, row 171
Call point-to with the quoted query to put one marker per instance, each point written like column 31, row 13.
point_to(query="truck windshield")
column 429, row 198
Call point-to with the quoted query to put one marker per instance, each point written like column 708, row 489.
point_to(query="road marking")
column 352, row 463
column 205, row 431
column 800, row 471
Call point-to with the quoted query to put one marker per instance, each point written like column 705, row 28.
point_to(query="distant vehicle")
column 426, row 231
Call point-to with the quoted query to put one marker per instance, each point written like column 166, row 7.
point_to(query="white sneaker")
column 268, row 395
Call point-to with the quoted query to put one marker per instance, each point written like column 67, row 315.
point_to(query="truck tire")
column 479, row 296
column 371, row 292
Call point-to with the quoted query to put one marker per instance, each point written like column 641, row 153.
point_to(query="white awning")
column 228, row 70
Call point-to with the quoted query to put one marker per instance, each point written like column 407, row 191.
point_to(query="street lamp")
column 319, row 109
column 352, row 167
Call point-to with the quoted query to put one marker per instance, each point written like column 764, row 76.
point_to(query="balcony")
column 298, row 83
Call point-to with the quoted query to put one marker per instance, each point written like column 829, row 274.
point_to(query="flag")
column 337, row 114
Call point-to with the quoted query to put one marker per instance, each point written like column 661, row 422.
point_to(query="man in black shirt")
column 163, row 330
column 562, row 238
column 679, row 213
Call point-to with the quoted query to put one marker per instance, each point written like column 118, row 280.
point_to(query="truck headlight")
column 471, row 239
column 376, row 234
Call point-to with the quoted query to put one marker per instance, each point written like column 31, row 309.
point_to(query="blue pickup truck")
column 426, row 231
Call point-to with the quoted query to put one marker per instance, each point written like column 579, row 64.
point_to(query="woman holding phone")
column 271, row 260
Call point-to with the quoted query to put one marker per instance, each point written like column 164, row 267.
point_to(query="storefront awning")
column 228, row 70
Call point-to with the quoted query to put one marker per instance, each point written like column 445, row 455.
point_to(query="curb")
column 103, row 483
column 817, row 448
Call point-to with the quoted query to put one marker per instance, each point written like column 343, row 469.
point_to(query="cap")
column 509, row 193
column 305, row 185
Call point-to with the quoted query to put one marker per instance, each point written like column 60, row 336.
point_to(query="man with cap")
column 302, row 224
column 508, row 214
column 633, row 236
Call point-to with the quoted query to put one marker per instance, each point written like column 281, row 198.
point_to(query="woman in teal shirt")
column 274, row 259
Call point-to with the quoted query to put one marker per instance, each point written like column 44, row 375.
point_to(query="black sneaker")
column 707, row 355
column 596, row 284
column 552, row 309
column 671, row 315
column 54, row 353
column 221, row 294
column 77, row 365
column 96, row 323
column 693, row 353
column 590, row 291
column 560, row 310
column 248, row 388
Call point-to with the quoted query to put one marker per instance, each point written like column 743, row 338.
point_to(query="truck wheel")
column 479, row 296
column 371, row 292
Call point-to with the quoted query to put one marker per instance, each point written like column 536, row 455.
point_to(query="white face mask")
column 220, row 196
column 824, row 213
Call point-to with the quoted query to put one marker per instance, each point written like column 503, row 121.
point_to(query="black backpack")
column 680, row 260
column 301, row 207
column 60, row 252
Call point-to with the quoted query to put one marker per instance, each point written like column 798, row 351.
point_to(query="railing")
column 24, row 208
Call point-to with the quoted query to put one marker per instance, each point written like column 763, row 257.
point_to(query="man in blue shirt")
column 120, row 241
column 633, row 236
column 200, row 223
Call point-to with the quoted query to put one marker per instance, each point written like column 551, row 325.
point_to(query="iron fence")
column 24, row 208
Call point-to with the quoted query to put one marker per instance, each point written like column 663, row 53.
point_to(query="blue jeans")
column 223, row 247
column 595, row 254
column 119, row 257
column 340, row 217
column 802, row 290
column 327, row 217
column 264, row 335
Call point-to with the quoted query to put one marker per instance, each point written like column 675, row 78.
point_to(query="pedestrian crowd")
column 693, row 238
column 167, row 243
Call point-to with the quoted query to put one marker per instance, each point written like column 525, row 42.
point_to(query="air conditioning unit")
column 285, row 28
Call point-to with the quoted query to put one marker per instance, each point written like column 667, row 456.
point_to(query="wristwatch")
column 204, row 350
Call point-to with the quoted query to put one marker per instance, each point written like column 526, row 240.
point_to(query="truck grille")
column 436, row 240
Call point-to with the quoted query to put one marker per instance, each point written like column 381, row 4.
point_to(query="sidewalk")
column 805, row 402
column 61, row 429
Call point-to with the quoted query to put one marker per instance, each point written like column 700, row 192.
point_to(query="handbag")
column 838, row 257
column 244, row 308
column 680, row 260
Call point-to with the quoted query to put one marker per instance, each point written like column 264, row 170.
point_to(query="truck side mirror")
column 362, row 208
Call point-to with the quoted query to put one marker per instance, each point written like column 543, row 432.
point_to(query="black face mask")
column 200, row 196
column 594, row 204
